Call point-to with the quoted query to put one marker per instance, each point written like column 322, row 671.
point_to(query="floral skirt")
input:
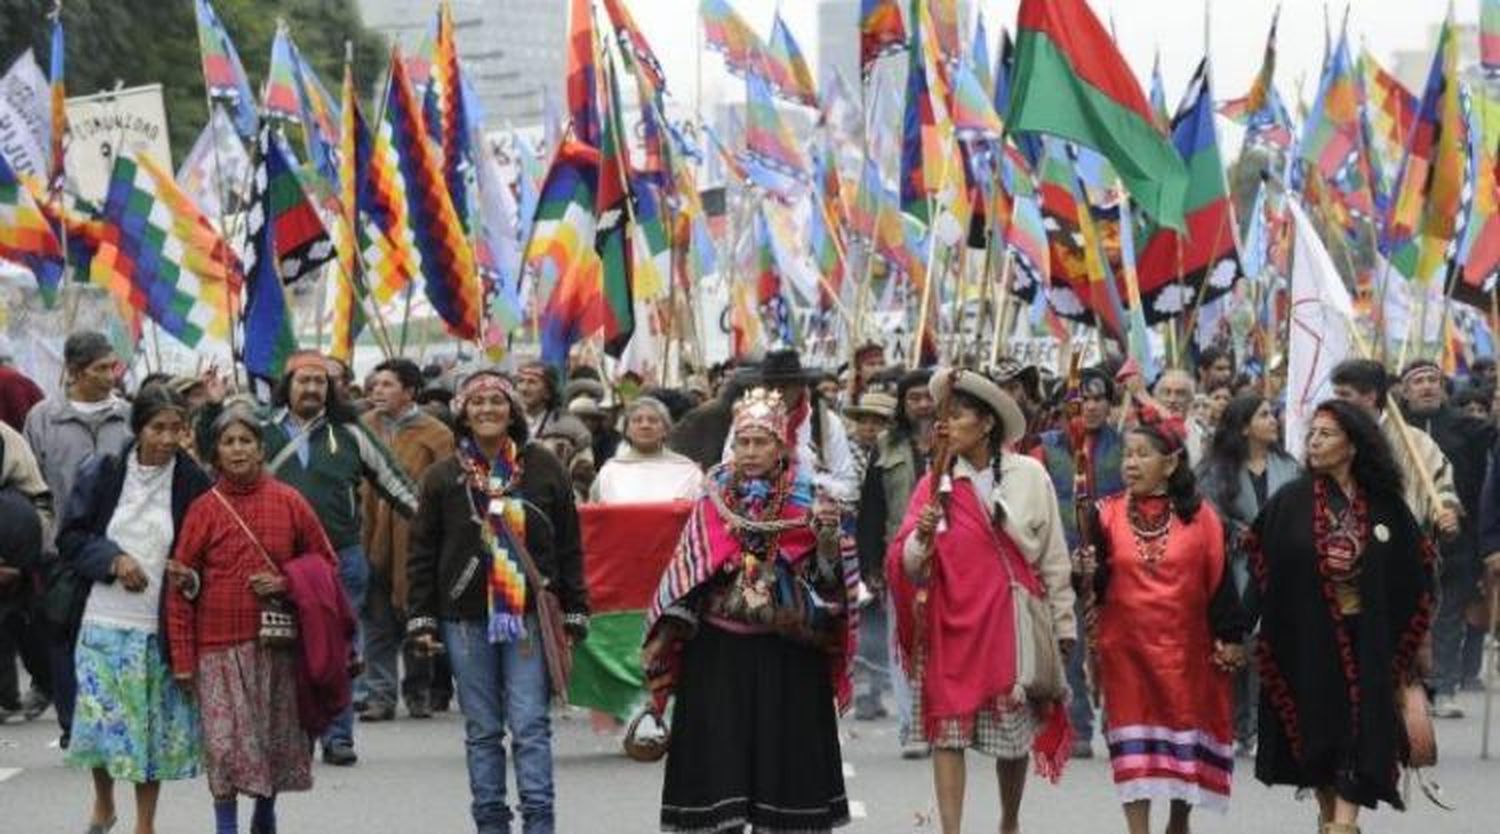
column 131, row 719
column 253, row 741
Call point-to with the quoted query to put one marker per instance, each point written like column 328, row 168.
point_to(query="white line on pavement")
column 8, row 772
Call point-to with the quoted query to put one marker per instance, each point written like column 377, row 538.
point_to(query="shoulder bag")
column 278, row 619
column 1039, row 666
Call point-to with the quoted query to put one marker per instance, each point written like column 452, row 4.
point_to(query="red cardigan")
column 226, row 611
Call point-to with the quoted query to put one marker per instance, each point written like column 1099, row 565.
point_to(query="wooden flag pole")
column 915, row 360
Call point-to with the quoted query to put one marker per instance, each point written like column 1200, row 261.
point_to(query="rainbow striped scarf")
column 493, row 485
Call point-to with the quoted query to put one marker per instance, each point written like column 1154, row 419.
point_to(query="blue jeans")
column 900, row 686
column 503, row 685
column 872, row 672
column 354, row 575
column 1081, row 711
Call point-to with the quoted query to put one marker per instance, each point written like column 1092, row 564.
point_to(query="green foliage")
column 156, row 41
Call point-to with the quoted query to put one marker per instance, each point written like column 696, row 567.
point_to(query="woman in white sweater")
column 644, row 470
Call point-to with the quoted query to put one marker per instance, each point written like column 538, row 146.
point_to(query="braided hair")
column 996, row 439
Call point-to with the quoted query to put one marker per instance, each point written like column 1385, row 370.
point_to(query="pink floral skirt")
column 252, row 741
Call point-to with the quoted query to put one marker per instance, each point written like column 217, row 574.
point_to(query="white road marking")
column 8, row 772
column 857, row 810
column 848, row 771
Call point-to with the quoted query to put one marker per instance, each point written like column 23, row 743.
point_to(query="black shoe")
column 418, row 708
column 379, row 712
column 64, row 740
column 339, row 754
column 440, row 704
column 34, row 703
column 359, row 705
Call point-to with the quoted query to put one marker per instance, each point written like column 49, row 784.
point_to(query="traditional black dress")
column 1343, row 588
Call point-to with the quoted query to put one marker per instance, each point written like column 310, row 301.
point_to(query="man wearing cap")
column 18, row 393
column 1105, row 454
column 315, row 443
column 417, row 440
column 1465, row 442
column 84, row 421
column 868, row 420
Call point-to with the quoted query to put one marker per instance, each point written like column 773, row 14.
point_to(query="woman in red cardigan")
column 235, row 540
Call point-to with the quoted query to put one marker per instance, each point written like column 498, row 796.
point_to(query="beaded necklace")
column 1149, row 526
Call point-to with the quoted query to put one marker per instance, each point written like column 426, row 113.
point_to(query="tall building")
column 513, row 51
column 838, row 41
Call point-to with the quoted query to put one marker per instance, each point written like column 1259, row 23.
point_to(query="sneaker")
column 1473, row 685
column 339, row 754
column 1244, row 748
column 1082, row 749
column 912, row 750
column 379, row 712
column 1446, row 706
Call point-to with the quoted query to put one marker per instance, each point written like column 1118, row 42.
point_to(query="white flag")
column 25, row 116
column 1322, row 315
column 207, row 176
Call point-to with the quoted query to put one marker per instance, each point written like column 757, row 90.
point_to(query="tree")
column 156, row 41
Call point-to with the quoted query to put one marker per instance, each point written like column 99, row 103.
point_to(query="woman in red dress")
column 1169, row 631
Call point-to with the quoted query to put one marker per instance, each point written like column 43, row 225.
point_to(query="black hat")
column 1029, row 377
column 783, row 367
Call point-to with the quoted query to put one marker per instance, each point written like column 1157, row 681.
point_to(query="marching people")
column 1243, row 467
column 978, row 538
column 132, row 721
column 869, row 419
column 819, row 442
column 86, row 419
column 644, row 470
column 752, row 631
column 541, row 401
column 1344, row 595
column 26, row 516
column 496, row 518
column 1169, row 633
column 316, row 444
column 230, row 628
column 1101, row 445
column 1465, row 441
column 416, row 440
column 901, row 458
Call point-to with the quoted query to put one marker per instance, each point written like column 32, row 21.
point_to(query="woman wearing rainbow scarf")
column 752, row 629
column 468, row 583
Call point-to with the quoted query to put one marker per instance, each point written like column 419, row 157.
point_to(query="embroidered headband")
column 481, row 382
column 1417, row 367
column 761, row 408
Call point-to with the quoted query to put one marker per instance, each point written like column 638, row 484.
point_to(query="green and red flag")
column 626, row 549
column 612, row 234
column 1072, row 82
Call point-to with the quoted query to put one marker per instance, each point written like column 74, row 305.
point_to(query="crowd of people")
column 1035, row 564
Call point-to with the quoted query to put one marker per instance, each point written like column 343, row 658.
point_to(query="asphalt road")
column 411, row 778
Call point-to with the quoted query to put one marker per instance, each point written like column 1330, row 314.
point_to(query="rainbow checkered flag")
column 26, row 237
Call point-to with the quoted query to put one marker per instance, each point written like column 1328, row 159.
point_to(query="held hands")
column 127, row 571
column 1447, row 522
column 1228, row 657
column 267, row 584
column 8, row 576
column 426, row 645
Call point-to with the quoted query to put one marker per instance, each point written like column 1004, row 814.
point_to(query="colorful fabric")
column 349, row 288
column 451, row 279
column 786, row 69
column 492, row 485
column 560, row 252
column 774, row 158
column 615, row 222
column 626, row 547
column 1071, row 81
column 957, row 630
column 1333, row 142
column 447, row 113
column 132, row 720
column 881, row 32
column 1180, row 272
column 1389, row 114
column 280, row 98
column 928, row 167
column 267, row 317
column 1262, row 95
column 223, row 74
column 253, row 742
column 1168, row 710
column 728, row 34
column 59, row 102
column 25, row 235
column 1489, row 36
column 320, row 118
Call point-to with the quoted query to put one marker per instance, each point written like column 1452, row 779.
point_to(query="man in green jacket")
column 315, row 443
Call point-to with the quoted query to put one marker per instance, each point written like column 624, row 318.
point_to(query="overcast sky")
column 1174, row 26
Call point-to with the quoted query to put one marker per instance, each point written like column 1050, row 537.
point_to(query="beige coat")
column 19, row 471
column 1436, row 464
column 419, row 442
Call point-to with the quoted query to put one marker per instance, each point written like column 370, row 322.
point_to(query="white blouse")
column 142, row 527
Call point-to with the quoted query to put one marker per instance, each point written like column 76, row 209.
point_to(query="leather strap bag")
column 278, row 619
column 1039, row 666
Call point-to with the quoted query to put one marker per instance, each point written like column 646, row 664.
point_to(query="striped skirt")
column 1160, row 763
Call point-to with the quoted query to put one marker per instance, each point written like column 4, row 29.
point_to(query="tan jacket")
column 19, row 471
column 420, row 441
column 1436, row 464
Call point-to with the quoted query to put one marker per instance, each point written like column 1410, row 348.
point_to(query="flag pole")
column 915, row 360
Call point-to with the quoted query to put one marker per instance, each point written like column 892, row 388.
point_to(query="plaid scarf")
column 492, row 487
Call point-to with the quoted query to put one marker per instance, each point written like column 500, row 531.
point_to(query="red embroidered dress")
column 1167, row 707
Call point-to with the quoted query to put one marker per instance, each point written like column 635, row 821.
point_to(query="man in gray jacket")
column 64, row 431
